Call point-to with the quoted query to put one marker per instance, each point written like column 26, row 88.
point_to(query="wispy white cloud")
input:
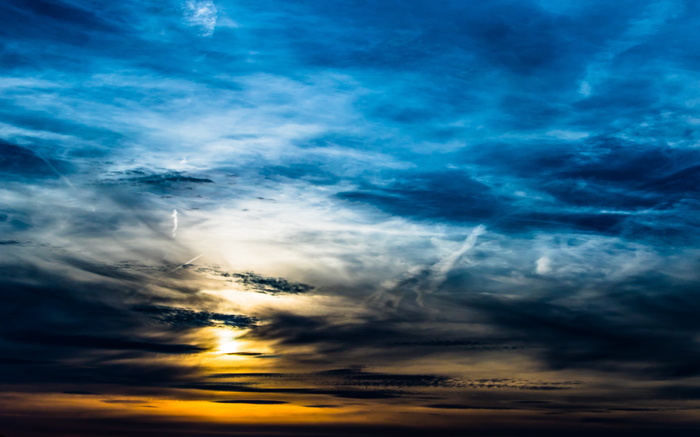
column 201, row 14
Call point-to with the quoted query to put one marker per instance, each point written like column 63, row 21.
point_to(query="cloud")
column 464, row 407
column 168, row 179
column 252, row 281
column 187, row 317
column 350, row 377
column 95, row 342
column 252, row 401
column 270, row 285
column 340, row 393
column 123, row 401
column 447, row 195
column 624, row 330
column 328, row 162
column 18, row 162
column 202, row 14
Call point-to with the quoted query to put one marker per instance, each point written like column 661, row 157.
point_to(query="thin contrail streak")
column 60, row 175
column 145, row 285
column 426, row 280
column 188, row 262
column 442, row 268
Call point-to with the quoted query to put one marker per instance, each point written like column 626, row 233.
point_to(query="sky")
column 349, row 218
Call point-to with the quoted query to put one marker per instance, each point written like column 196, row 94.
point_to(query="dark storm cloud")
column 358, row 378
column 455, row 203
column 95, row 342
column 546, row 407
column 472, row 345
column 266, row 284
column 259, row 283
column 340, row 393
column 293, row 330
column 169, row 178
column 351, row 377
column 79, row 328
column 646, row 327
column 156, row 181
column 187, row 317
column 373, row 336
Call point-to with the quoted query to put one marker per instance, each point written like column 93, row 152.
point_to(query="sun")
column 228, row 342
